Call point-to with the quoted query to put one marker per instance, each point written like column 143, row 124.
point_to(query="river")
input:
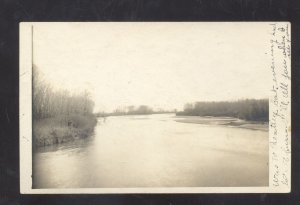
column 155, row 151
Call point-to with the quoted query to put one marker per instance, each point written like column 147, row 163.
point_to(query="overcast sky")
column 163, row 65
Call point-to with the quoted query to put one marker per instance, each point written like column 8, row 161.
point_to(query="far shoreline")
column 224, row 121
column 209, row 120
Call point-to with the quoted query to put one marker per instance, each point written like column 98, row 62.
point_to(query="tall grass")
column 59, row 116
column 56, row 130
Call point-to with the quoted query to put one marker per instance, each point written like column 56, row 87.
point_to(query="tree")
column 49, row 103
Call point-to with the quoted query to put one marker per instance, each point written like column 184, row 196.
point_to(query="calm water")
column 155, row 151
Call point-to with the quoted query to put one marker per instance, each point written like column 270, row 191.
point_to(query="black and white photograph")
column 153, row 105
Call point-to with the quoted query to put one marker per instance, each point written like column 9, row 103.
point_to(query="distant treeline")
column 132, row 110
column 249, row 109
column 50, row 103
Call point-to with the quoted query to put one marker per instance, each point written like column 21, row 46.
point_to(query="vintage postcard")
column 155, row 107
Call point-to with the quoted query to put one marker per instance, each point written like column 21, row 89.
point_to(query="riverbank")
column 60, row 129
column 224, row 121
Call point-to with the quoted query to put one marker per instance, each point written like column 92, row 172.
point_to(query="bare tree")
column 49, row 103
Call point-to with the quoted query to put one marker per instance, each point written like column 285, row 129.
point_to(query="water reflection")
column 155, row 151
column 78, row 143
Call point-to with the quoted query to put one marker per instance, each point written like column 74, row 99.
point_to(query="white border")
column 26, row 136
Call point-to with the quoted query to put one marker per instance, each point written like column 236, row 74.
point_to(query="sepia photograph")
column 151, row 105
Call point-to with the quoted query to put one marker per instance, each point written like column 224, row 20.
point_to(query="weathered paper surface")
column 278, row 58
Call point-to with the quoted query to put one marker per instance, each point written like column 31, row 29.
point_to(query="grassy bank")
column 62, row 128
